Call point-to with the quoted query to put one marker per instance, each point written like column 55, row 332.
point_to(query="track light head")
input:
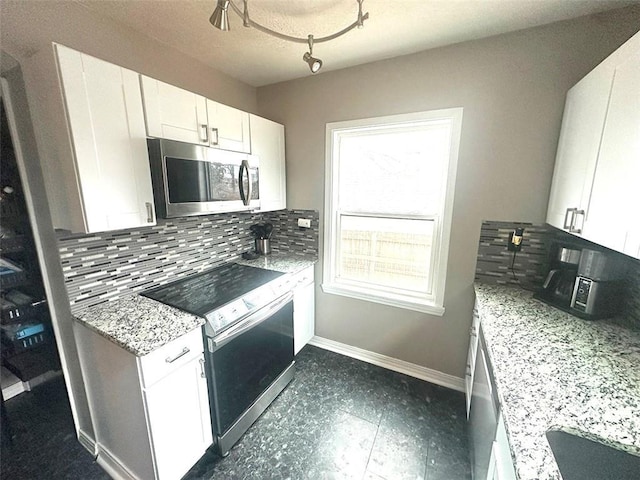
column 314, row 63
column 220, row 16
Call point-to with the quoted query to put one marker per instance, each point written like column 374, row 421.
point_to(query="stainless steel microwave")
column 198, row 180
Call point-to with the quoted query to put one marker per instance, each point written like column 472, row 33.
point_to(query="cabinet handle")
column 202, row 372
column 246, row 199
column 573, row 221
column 149, row 212
column 568, row 225
column 184, row 351
column 205, row 131
column 214, row 131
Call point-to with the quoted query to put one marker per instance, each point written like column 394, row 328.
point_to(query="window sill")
column 408, row 304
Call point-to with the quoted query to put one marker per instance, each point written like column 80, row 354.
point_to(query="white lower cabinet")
column 303, row 308
column 501, row 466
column 151, row 413
column 178, row 412
column 471, row 357
column 490, row 450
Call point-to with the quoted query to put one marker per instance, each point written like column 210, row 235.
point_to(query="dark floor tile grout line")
column 373, row 444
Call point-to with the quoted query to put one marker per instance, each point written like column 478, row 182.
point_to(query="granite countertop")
column 280, row 262
column 556, row 371
column 138, row 324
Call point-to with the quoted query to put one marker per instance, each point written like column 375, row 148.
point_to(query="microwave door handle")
column 244, row 166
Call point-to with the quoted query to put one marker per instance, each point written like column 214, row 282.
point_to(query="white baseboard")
column 400, row 366
column 87, row 442
column 112, row 465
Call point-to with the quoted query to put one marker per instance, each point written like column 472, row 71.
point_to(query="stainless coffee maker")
column 598, row 288
column 558, row 287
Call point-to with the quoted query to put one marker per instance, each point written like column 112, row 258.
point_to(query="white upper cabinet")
column 595, row 191
column 584, row 114
column 106, row 122
column 267, row 142
column 228, row 127
column 177, row 114
column 614, row 214
column 174, row 113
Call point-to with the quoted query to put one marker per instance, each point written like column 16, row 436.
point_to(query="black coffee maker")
column 557, row 288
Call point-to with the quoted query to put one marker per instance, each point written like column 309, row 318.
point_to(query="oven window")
column 246, row 366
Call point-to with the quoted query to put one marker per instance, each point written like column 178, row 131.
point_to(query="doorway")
column 29, row 354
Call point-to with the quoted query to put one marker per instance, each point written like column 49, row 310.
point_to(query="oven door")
column 245, row 362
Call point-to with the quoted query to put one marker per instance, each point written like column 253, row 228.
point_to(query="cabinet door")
column 303, row 314
column 228, row 127
column 582, row 123
column 104, row 112
column 612, row 219
column 267, row 142
column 179, row 420
column 174, row 113
column 483, row 418
column 503, row 468
column 471, row 356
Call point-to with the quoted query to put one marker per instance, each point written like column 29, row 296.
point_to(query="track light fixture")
column 220, row 20
column 220, row 16
column 314, row 63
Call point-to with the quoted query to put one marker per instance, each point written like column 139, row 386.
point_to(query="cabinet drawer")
column 161, row 362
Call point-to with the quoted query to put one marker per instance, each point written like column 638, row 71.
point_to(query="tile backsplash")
column 532, row 262
column 104, row 266
column 494, row 262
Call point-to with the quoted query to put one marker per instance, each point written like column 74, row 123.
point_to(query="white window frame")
column 428, row 303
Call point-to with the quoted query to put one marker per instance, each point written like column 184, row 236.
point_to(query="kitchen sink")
column 583, row 459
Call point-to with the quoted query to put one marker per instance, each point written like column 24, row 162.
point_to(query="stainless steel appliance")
column 558, row 286
column 484, row 413
column 597, row 290
column 197, row 180
column 248, row 338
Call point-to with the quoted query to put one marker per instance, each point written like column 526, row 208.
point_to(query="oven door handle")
column 251, row 321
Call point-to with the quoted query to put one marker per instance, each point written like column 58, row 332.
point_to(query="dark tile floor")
column 44, row 444
column 338, row 419
column 345, row 419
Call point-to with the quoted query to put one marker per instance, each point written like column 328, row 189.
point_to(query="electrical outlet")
column 304, row 222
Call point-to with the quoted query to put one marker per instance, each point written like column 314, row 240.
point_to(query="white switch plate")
column 304, row 222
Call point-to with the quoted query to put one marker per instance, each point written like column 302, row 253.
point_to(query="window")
column 388, row 203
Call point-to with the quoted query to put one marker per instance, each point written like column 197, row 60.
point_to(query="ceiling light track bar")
column 250, row 23
column 220, row 20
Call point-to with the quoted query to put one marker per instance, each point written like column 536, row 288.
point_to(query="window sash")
column 378, row 260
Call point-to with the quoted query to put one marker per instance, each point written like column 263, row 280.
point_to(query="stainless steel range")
column 248, row 338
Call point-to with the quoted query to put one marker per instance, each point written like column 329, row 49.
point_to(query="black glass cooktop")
column 204, row 292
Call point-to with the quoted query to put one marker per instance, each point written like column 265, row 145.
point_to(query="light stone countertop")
column 138, row 324
column 555, row 371
column 280, row 262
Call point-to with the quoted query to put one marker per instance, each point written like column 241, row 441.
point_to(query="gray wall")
column 512, row 88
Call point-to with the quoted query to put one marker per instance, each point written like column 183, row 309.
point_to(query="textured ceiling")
column 395, row 27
